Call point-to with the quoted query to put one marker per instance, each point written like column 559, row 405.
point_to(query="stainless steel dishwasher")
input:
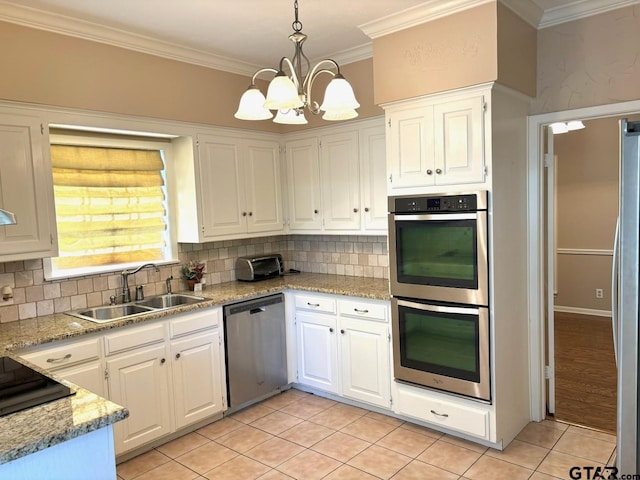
column 255, row 346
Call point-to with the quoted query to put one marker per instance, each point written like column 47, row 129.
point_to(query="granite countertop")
column 84, row 412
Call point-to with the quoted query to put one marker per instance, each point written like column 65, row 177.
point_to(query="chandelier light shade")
column 291, row 93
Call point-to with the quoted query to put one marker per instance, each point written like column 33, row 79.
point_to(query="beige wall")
column 587, row 208
column 483, row 44
column 588, row 62
column 51, row 69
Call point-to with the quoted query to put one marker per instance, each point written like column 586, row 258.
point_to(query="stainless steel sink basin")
column 169, row 300
column 111, row 313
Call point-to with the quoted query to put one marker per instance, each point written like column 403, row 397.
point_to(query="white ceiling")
column 249, row 33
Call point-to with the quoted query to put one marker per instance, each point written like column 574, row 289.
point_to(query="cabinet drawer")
column 64, row 355
column 194, row 322
column 315, row 303
column 363, row 309
column 128, row 338
column 462, row 418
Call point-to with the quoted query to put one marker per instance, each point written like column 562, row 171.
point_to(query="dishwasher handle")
column 253, row 311
column 252, row 306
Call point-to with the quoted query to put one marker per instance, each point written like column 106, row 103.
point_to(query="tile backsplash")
column 353, row 255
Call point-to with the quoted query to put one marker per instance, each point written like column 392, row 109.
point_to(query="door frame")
column 537, row 238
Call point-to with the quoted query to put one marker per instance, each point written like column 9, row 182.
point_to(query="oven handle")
column 440, row 308
column 438, row 216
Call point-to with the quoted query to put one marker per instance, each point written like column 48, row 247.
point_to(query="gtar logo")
column 593, row 473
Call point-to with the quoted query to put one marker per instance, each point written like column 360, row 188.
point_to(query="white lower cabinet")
column 343, row 346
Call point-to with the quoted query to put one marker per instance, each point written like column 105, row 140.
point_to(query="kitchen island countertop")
column 40, row 427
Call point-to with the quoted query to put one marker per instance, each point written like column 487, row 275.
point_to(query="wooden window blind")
column 110, row 206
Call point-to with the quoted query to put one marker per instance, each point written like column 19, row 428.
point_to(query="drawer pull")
column 313, row 304
column 61, row 359
column 443, row 415
column 360, row 311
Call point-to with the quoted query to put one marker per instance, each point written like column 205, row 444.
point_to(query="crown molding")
column 580, row 9
column 527, row 10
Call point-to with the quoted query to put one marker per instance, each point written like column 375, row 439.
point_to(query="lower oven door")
column 443, row 347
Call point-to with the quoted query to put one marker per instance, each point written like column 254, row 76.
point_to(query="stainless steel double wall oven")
column 439, row 277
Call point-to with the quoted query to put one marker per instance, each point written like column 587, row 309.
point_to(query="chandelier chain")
column 297, row 24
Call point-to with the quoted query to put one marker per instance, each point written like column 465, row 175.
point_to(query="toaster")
column 252, row 269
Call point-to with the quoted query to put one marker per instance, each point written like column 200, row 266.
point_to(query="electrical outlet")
column 599, row 293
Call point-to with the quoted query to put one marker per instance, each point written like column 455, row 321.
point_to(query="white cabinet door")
column 196, row 377
column 373, row 163
column 221, row 186
column 410, row 147
column 139, row 381
column 364, row 353
column 26, row 189
column 339, row 171
column 459, row 141
column 263, row 186
column 303, row 178
column 90, row 376
column 317, row 351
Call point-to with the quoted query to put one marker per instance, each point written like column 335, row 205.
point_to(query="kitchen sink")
column 111, row 313
column 169, row 300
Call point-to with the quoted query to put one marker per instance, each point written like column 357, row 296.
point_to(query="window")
column 112, row 203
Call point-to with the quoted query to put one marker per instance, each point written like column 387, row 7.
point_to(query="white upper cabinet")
column 373, row 178
column 303, row 179
column 233, row 190
column 437, row 140
column 26, row 187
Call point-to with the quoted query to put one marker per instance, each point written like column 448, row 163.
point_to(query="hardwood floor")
column 585, row 369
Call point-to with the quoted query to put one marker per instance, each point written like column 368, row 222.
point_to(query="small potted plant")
column 193, row 272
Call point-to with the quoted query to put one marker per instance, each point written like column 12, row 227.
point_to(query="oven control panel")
column 444, row 203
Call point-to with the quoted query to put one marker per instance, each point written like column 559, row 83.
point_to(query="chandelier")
column 291, row 93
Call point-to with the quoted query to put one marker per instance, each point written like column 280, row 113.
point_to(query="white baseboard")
column 582, row 311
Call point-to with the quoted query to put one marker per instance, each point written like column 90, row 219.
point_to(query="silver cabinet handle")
column 54, row 360
column 438, row 171
column 360, row 311
column 429, row 172
column 444, row 415
column 313, row 304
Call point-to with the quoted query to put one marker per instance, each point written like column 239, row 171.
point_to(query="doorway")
column 541, row 311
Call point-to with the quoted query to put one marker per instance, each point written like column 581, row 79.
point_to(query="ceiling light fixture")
column 564, row 127
column 290, row 93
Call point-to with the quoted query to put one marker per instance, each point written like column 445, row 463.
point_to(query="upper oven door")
column 440, row 257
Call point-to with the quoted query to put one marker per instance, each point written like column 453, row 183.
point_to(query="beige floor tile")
column 141, row 464
column 274, row 452
column 274, row 475
column 303, row 409
column 338, row 416
column 309, row 465
column 206, row 457
column 368, row 429
column 282, row 399
column 521, row 453
column 540, row 435
column 320, row 401
column 461, row 442
column 449, row 457
column 587, row 432
column 169, row 471
column 240, row 468
column 306, row 433
column 347, row 472
column 340, row 446
column 252, row 413
column 182, row 445
column 406, row 442
column 559, row 464
column 541, row 476
column 276, row 422
column 489, row 468
column 298, row 393
column 380, row 462
column 585, row 447
column 244, row 438
column 220, row 428
column 417, row 470
column 385, row 418
column 422, row 430
column 555, row 424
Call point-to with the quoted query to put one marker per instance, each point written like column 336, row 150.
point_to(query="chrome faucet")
column 169, row 290
column 126, row 293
